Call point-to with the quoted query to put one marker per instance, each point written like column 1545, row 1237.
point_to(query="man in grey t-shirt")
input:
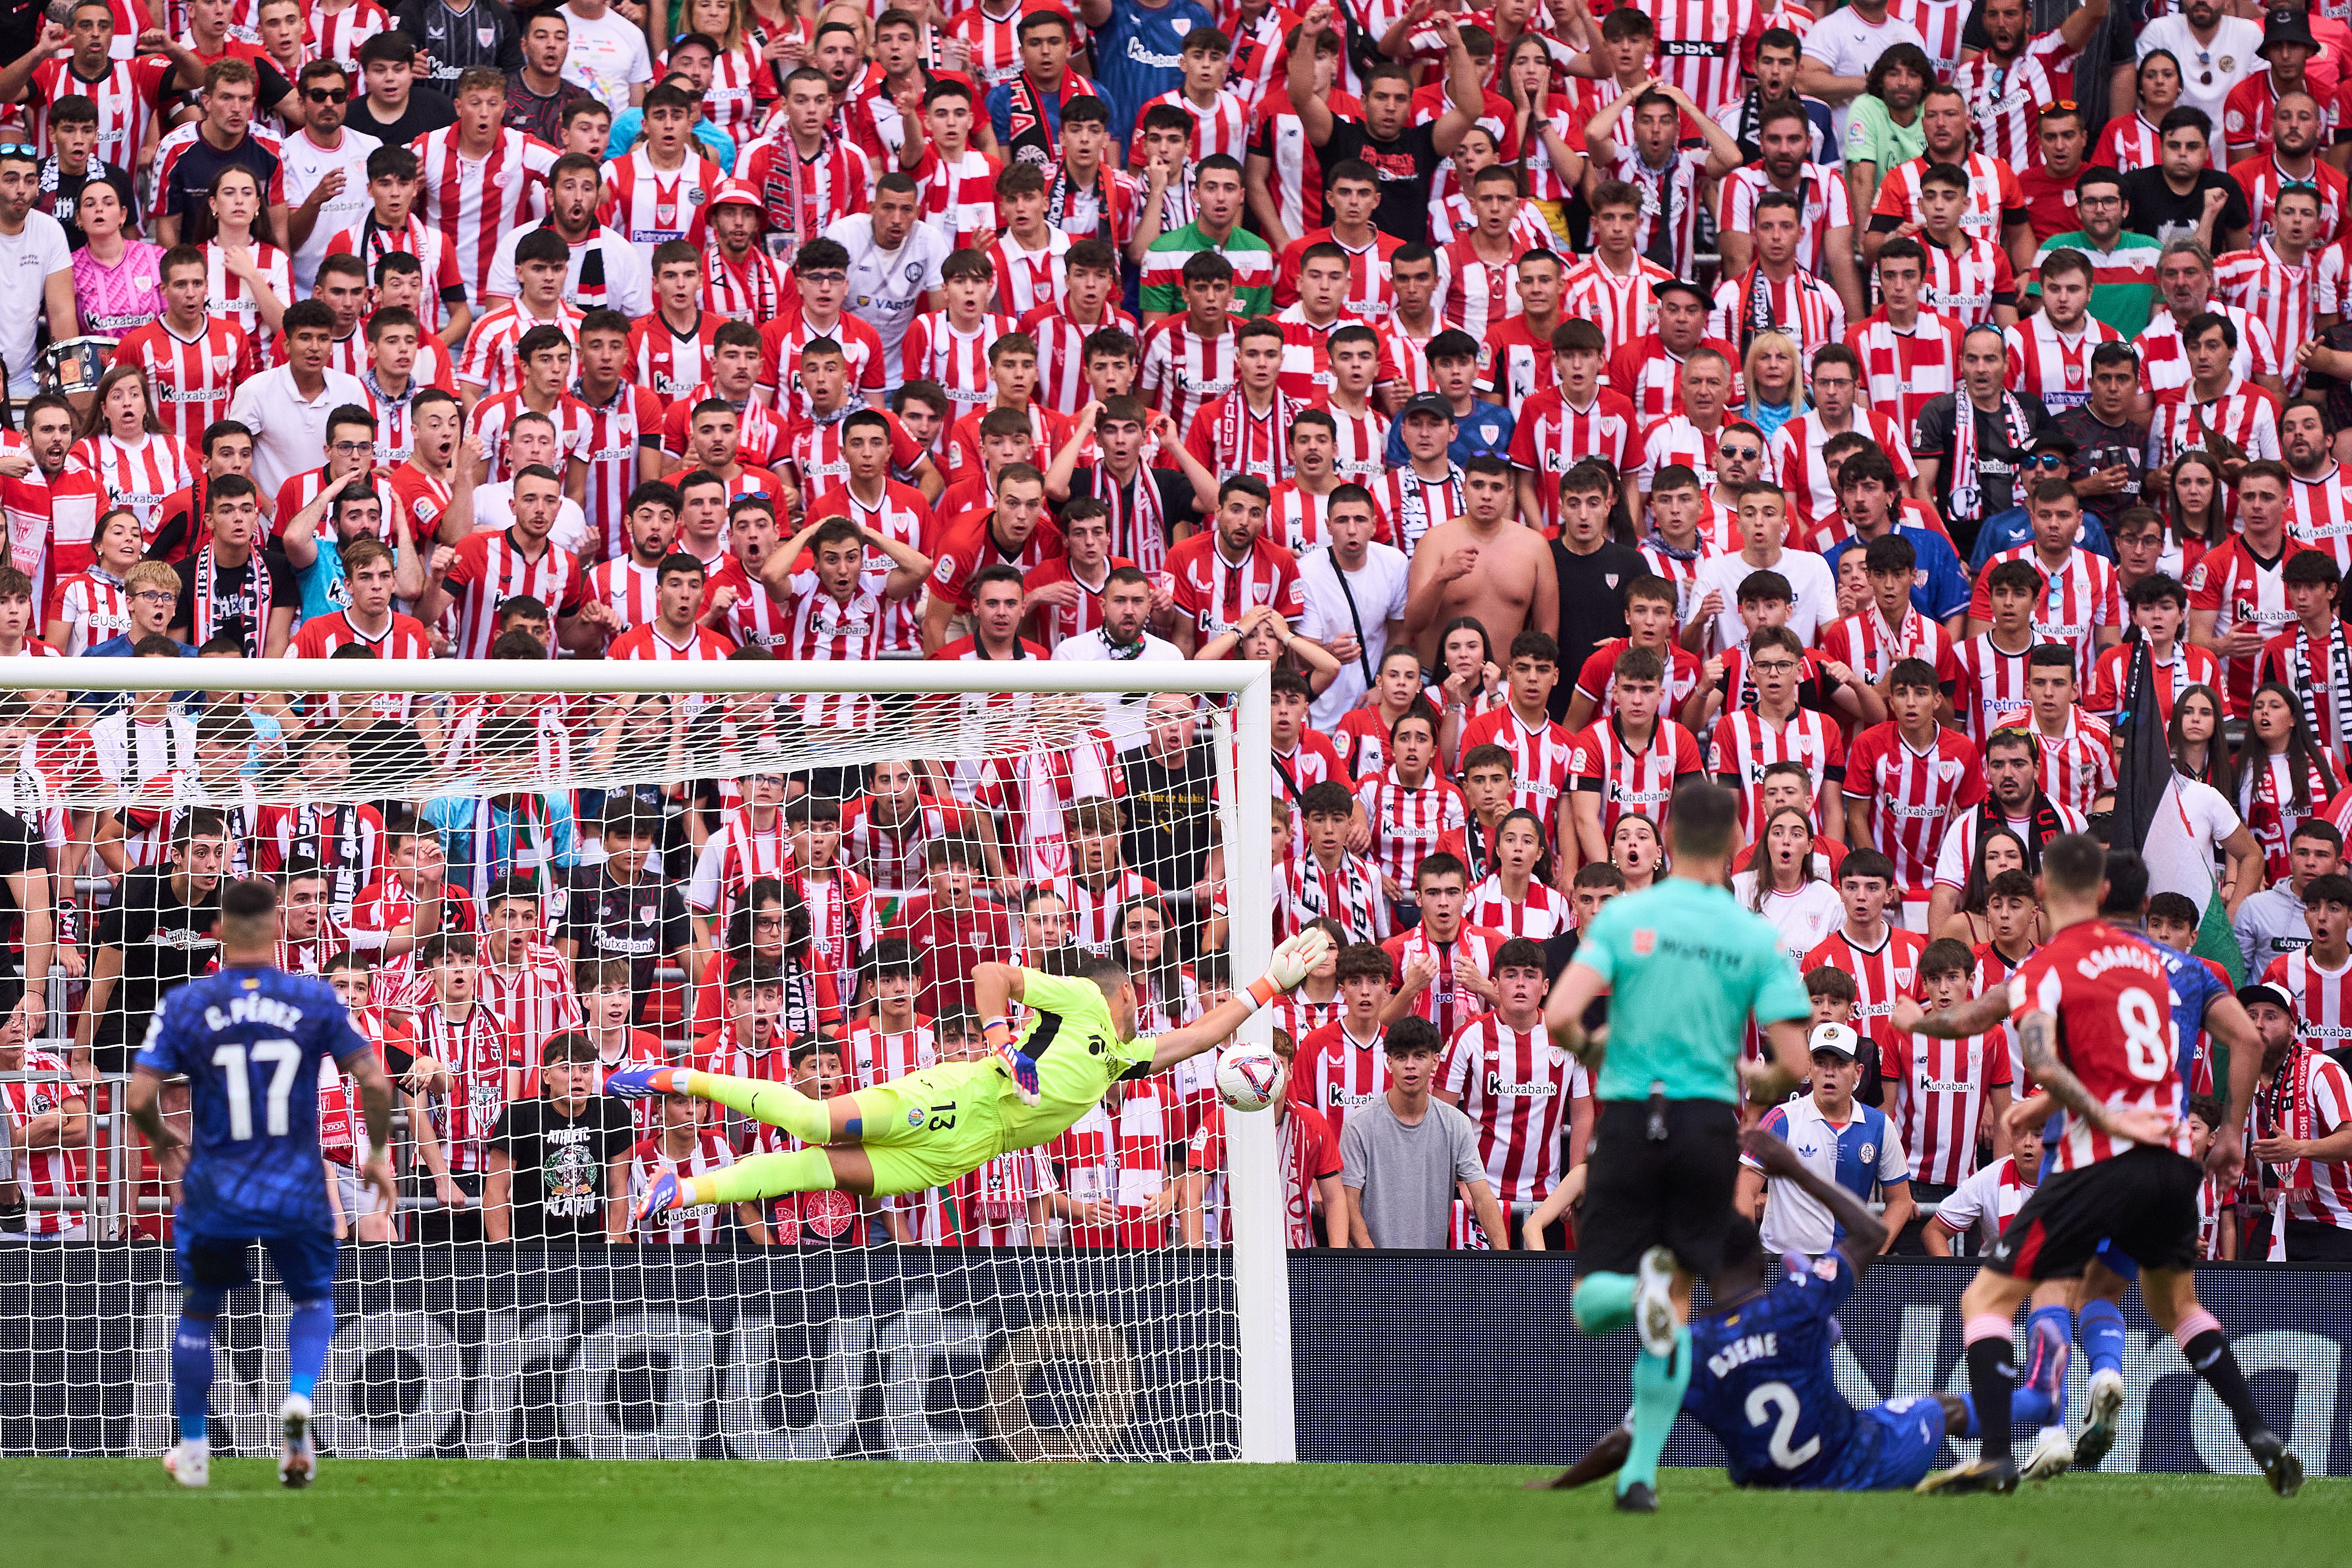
column 1401, row 1155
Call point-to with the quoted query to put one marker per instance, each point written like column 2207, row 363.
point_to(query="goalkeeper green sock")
column 777, row 1104
column 1601, row 1303
column 1658, row 1385
column 763, row 1176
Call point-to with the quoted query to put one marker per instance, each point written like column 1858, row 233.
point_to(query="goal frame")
column 1256, row 1205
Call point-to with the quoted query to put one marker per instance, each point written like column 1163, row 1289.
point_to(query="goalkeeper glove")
column 1018, row 1064
column 1291, row 962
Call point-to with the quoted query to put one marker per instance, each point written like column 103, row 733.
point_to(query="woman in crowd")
column 251, row 279
column 1781, row 886
column 2195, row 512
column 1634, row 849
column 1775, row 383
column 117, row 280
column 2283, row 776
column 1999, row 849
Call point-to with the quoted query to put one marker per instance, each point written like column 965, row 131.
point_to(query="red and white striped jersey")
column 1093, row 905
column 2319, row 1193
column 2245, row 413
column 1622, row 307
column 2283, row 298
column 652, row 207
column 874, row 1054
column 1967, row 281
column 610, row 441
column 2164, row 363
column 2111, row 998
column 2005, row 101
column 1229, row 436
column 649, row 1161
column 1649, row 376
column 1940, row 24
column 1297, row 519
column 125, row 98
column 1990, row 682
column 649, row 641
column 1473, row 294
column 1543, row 758
column 760, row 429
column 1117, row 1153
column 2237, row 586
column 738, row 854
column 1674, row 440
column 495, row 412
column 1183, row 371
column 2129, row 142
column 1295, row 179
column 1406, row 352
column 1797, row 465
column 624, row 587
column 1939, row 1095
column 1744, row 744
column 435, row 258
column 958, row 201
column 1826, row 207
column 44, row 1172
column 1061, row 353
column 668, row 361
column 1702, row 46
column 890, row 855
column 1881, row 973
column 755, row 291
column 531, row 999
column 2044, row 364
column 1515, row 1086
column 2323, row 998
column 1993, row 191
column 194, row 380
column 478, row 1053
column 1362, row 454
column 2319, row 512
column 1628, row 779
column 934, row 350
column 1901, row 370
column 996, row 42
column 1406, row 820
column 2078, row 597
column 1911, row 796
column 1544, row 912
column 1306, row 353
column 94, row 606
column 488, row 361
column 490, row 568
column 1865, row 643
column 2078, row 766
column 901, row 514
column 1025, row 278
column 2311, row 668
column 337, row 35
column 2262, row 179
column 1299, row 1016
column 1408, row 506
column 1222, row 127
column 1800, row 305
column 2189, row 666
column 231, row 297
column 1371, row 295
column 112, row 474
column 1670, row 198
column 475, row 201
column 822, row 627
column 1337, row 1073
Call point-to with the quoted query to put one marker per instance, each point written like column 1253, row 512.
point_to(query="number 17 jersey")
column 250, row 1040
column 2111, row 996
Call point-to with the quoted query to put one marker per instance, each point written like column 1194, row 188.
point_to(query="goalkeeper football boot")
column 1653, row 1303
column 2279, row 1466
column 2045, row 1372
column 1975, row 1476
column 1639, row 1497
column 297, row 1455
column 638, row 1083
column 190, row 1464
column 2105, row 1408
column 660, row 1198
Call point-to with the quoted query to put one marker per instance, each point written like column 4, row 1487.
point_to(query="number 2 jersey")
column 250, row 1040
column 1761, row 1380
column 2111, row 992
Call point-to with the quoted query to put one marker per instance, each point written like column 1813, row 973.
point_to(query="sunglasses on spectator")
column 2043, row 461
column 1740, row 454
column 326, row 95
column 27, row 148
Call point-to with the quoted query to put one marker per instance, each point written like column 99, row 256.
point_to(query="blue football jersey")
column 250, row 1041
column 2194, row 989
column 1761, row 1379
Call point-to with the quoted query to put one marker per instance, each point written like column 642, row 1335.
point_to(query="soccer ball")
column 1250, row 1077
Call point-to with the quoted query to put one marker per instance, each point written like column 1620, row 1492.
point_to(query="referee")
column 1685, row 967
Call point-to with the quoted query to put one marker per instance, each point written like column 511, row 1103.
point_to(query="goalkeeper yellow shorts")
column 931, row 1127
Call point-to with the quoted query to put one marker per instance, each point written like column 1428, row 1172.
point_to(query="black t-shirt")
column 1404, row 168
column 560, row 1162
column 644, row 921
column 1172, row 822
column 1997, row 459
column 1591, row 606
column 235, row 591
column 166, row 941
column 1176, row 503
column 183, row 194
column 425, row 112
column 2152, row 208
column 175, row 92
column 2098, row 444
column 60, row 195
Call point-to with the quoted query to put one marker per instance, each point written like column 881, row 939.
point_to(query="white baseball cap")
column 1838, row 1040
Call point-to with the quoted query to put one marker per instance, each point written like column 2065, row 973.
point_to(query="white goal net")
column 521, row 877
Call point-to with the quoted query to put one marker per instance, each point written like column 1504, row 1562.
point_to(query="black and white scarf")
column 330, row 836
column 1968, row 492
column 253, row 627
column 1344, row 894
column 1139, row 524
column 2335, row 688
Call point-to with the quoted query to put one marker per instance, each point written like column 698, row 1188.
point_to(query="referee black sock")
column 2211, row 1358
column 1993, row 1377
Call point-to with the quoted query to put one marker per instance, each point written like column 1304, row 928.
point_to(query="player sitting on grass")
column 1762, row 1377
column 931, row 1128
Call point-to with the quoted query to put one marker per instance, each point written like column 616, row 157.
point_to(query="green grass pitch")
column 61, row 1513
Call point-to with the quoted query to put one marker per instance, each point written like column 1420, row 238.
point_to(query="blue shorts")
column 305, row 1261
column 1894, row 1445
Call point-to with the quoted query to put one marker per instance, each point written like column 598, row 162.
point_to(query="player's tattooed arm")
column 2037, row 1039
column 1963, row 1022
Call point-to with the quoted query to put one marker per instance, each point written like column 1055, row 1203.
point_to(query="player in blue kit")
column 249, row 1039
column 1763, row 1381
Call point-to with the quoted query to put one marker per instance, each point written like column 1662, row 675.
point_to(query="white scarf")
column 1967, row 496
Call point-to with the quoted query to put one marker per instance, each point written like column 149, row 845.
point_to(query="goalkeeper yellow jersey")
column 1079, row 1056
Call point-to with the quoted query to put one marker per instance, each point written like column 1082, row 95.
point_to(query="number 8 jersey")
column 250, row 1040
column 2111, row 996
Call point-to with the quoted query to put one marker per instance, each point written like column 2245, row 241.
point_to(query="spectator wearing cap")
column 1403, row 1155
column 741, row 281
column 1481, row 429
column 2302, row 1137
column 2244, row 130
column 2273, row 923
column 2216, row 50
column 1839, row 1141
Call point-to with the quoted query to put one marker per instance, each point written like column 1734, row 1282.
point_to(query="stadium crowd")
column 1567, row 401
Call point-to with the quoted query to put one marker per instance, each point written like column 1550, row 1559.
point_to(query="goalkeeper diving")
column 931, row 1127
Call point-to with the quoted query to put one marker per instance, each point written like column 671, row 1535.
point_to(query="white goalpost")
column 489, row 855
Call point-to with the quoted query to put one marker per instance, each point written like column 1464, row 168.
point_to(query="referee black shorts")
column 1643, row 1192
column 2143, row 1202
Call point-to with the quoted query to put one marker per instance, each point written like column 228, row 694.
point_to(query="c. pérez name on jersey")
column 269, row 1010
